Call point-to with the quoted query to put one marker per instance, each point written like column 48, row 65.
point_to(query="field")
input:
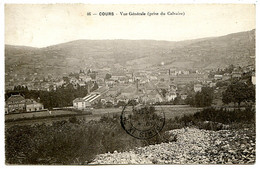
column 172, row 111
column 38, row 114
column 46, row 117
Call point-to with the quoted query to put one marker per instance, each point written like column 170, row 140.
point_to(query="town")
column 114, row 87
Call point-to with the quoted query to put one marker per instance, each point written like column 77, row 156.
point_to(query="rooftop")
column 16, row 98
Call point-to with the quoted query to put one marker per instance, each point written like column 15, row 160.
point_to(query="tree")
column 121, row 104
column 132, row 102
column 222, row 83
column 204, row 98
column 108, row 76
column 230, row 68
column 163, row 92
column 95, row 87
column 177, row 100
column 190, row 100
column 66, row 79
column 238, row 92
column 201, row 99
column 92, row 75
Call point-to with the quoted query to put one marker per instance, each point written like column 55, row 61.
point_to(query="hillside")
column 70, row 57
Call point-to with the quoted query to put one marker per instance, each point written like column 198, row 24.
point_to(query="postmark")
column 141, row 121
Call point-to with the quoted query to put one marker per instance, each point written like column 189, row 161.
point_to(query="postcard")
column 94, row 84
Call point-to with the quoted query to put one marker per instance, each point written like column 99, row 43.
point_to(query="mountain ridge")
column 211, row 52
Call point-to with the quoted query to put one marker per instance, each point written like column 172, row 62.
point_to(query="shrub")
column 70, row 142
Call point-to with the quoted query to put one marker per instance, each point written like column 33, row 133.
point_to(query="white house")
column 197, row 87
column 90, row 99
column 171, row 96
column 218, row 77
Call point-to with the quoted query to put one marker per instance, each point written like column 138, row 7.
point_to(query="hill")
column 71, row 56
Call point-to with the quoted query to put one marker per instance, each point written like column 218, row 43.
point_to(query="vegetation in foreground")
column 78, row 142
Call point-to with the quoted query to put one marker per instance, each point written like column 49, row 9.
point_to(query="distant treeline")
column 61, row 97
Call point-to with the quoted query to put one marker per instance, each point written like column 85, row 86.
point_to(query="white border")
column 134, row 1
column 2, row 2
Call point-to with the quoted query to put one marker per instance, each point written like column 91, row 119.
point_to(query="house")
column 130, row 92
column 212, row 84
column 18, row 104
column 154, row 97
column 122, row 99
column 186, row 79
column 118, row 76
column 226, row 76
column 110, row 82
column 197, row 87
column 108, row 99
column 184, row 96
column 92, row 98
column 32, row 105
column 15, row 104
column 171, row 96
column 81, row 104
column 152, row 78
column 186, row 72
column 162, row 85
column 236, row 74
column 81, row 83
column 60, row 82
column 218, row 77
column 173, row 87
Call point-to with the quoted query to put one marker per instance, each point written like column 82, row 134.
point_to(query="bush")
column 70, row 142
column 77, row 142
column 214, row 119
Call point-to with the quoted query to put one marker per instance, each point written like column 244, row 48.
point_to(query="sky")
column 49, row 24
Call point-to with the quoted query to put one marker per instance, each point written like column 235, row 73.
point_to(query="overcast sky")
column 44, row 25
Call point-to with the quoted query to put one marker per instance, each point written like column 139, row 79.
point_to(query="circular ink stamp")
column 142, row 122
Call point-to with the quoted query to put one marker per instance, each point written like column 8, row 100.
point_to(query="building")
column 162, row 86
column 212, row 84
column 226, row 76
column 171, row 96
column 218, row 77
column 186, row 79
column 81, row 104
column 92, row 98
column 107, row 100
column 197, row 87
column 184, row 96
column 173, row 87
column 15, row 104
column 118, row 76
column 18, row 104
column 152, row 97
column 236, row 74
column 32, row 105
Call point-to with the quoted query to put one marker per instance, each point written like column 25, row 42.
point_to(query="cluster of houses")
column 146, row 93
column 145, row 86
column 18, row 104
column 151, row 87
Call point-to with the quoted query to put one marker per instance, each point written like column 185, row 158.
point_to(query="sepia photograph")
column 102, row 84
